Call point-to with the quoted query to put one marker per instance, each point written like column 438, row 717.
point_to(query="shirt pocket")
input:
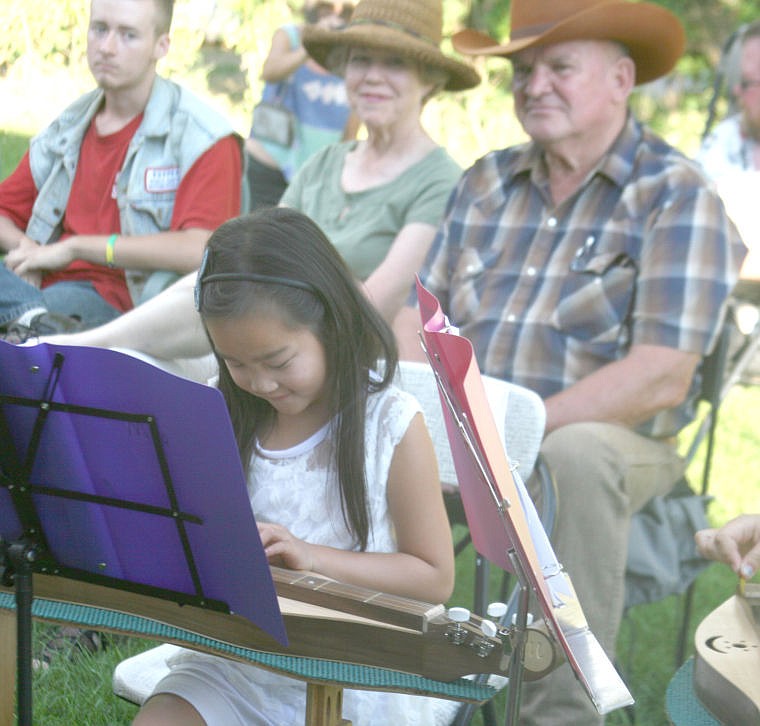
column 469, row 281
column 596, row 298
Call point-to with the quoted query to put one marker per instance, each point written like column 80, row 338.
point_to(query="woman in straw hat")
column 378, row 200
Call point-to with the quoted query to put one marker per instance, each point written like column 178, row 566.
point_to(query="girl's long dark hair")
column 284, row 243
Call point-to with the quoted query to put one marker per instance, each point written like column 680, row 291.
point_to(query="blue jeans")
column 76, row 298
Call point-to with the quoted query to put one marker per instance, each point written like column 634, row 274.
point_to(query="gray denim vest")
column 176, row 129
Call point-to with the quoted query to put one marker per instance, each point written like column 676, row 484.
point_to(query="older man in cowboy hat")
column 591, row 264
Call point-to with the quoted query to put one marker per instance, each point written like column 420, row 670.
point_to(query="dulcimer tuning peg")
column 497, row 610
column 459, row 615
column 489, row 628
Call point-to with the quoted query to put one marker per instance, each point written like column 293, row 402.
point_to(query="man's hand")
column 15, row 258
column 29, row 260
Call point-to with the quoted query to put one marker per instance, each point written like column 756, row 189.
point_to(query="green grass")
column 78, row 690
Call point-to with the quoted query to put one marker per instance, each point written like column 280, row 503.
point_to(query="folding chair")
column 662, row 557
column 521, row 418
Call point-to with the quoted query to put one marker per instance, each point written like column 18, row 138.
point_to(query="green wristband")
column 109, row 249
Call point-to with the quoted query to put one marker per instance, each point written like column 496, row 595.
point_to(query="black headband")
column 202, row 279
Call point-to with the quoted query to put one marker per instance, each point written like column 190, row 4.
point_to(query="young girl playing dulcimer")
column 341, row 470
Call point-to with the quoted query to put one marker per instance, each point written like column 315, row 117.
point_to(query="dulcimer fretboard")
column 391, row 609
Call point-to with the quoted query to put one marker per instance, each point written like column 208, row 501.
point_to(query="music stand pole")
column 516, row 661
column 16, row 569
column 483, row 468
column 20, row 555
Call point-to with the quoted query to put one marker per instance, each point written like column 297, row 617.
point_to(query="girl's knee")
column 166, row 709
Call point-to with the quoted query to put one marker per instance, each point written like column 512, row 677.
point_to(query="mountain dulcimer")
column 727, row 661
column 336, row 621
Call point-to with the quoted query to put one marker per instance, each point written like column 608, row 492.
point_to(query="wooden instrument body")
column 372, row 629
column 727, row 662
column 323, row 619
column 358, row 626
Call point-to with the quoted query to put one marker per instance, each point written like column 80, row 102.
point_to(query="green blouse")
column 362, row 225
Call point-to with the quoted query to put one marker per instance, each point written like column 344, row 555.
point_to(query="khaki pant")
column 604, row 474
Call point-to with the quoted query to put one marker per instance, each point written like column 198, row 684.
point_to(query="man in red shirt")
column 129, row 180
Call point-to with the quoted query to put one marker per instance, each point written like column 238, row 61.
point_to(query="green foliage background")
column 45, row 40
column 56, row 31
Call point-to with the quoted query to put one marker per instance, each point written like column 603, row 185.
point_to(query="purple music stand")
column 502, row 519
column 117, row 473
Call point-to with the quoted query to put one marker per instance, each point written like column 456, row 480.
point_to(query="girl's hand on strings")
column 283, row 549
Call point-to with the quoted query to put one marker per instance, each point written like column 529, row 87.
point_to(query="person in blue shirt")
column 315, row 97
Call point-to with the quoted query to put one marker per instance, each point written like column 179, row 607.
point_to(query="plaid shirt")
column 642, row 253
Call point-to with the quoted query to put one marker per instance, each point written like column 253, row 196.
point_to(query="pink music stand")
column 503, row 522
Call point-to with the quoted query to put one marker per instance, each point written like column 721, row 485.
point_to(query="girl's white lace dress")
column 294, row 488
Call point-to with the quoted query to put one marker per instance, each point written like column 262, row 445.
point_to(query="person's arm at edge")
column 180, row 251
column 736, row 543
column 282, row 59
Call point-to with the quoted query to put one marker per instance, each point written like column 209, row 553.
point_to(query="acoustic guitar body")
column 727, row 662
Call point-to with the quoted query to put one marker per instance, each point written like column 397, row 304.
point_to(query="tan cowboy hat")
column 653, row 35
column 412, row 28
